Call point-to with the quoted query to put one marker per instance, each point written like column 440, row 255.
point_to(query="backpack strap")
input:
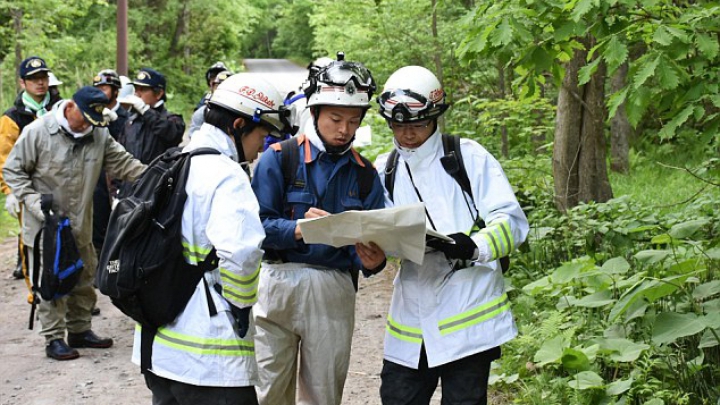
column 365, row 175
column 453, row 163
column 390, row 167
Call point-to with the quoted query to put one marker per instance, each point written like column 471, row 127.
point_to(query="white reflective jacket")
column 221, row 211
column 454, row 314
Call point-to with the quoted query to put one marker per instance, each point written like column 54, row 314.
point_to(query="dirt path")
column 101, row 377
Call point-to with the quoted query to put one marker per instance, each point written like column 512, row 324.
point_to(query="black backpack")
column 61, row 263
column 453, row 164
column 141, row 266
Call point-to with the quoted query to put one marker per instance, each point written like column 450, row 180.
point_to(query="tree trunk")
column 594, row 183
column 17, row 26
column 579, row 168
column 620, row 129
column 180, row 29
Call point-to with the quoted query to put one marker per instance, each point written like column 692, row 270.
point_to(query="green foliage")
column 671, row 48
column 615, row 302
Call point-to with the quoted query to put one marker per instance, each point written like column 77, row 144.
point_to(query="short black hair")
column 223, row 118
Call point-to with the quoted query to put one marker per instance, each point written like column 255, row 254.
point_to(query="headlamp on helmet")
column 412, row 93
column 342, row 84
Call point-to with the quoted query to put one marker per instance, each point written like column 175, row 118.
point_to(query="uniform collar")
column 429, row 149
column 210, row 136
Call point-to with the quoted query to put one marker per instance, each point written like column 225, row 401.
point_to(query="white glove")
column 136, row 103
column 109, row 115
column 12, row 205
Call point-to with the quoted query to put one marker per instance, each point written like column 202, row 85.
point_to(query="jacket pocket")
column 298, row 203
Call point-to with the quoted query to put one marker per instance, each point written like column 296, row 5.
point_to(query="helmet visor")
column 403, row 105
column 340, row 74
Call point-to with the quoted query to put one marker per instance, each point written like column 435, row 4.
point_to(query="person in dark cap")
column 210, row 76
column 109, row 82
column 150, row 129
column 62, row 154
column 198, row 117
column 34, row 101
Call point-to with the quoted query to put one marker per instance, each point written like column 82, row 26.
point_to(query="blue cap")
column 92, row 101
column 32, row 65
column 150, row 78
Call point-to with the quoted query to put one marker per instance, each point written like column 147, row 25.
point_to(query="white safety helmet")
column 126, row 87
column 412, row 93
column 252, row 96
column 53, row 80
column 342, row 84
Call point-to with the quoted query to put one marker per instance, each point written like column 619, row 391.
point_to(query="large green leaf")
column 599, row 299
column 571, row 270
column 708, row 339
column 668, row 131
column 619, row 386
column 502, row 34
column 586, row 380
column 667, row 75
column 616, row 265
column 615, row 53
column 662, row 36
column 575, row 360
column 648, row 290
column 622, row 350
column 707, row 45
column 670, row 326
column 707, row 290
column 645, row 71
column 652, row 256
column 551, row 351
column 687, row 228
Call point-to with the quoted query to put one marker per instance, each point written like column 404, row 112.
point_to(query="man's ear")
column 239, row 122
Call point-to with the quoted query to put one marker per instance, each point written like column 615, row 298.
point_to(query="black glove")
column 242, row 319
column 463, row 248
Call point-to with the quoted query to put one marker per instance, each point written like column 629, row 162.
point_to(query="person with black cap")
column 34, row 101
column 198, row 117
column 62, row 154
column 210, row 76
column 151, row 129
column 108, row 81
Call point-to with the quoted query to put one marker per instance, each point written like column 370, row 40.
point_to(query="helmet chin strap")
column 237, row 134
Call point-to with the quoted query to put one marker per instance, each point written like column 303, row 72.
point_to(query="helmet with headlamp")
column 255, row 98
column 341, row 84
column 412, row 93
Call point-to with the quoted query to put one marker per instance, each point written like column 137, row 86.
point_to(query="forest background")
column 604, row 114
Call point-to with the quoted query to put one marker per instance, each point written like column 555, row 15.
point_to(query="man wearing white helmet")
column 201, row 357
column 306, row 300
column 456, row 334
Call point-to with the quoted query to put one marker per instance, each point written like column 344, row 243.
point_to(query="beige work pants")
column 306, row 316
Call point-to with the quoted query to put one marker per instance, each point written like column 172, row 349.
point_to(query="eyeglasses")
column 415, row 126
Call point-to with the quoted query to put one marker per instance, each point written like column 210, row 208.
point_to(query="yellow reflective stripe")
column 194, row 254
column 204, row 346
column 500, row 239
column 474, row 316
column 242, row 289
column 493, row 246
column 406, row 333
column 244, row 297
